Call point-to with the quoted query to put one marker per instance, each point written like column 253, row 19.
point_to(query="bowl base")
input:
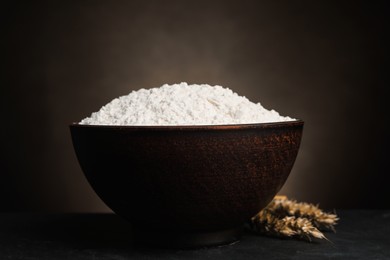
column 187, row 240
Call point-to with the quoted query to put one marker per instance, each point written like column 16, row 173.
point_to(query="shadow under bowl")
column 187, row 186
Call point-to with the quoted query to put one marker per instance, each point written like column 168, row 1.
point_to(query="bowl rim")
column 297, row 122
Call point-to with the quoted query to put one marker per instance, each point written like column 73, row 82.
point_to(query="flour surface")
column 183, row 104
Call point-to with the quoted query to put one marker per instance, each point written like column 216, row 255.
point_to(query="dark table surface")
column 361, row 234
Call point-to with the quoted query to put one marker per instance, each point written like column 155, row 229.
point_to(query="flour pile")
column 182, row 104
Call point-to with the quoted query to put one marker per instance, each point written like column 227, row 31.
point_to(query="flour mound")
column 182, row 104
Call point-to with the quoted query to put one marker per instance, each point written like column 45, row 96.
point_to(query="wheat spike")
column 288, row 218
column 319, row 218
column 267, row 223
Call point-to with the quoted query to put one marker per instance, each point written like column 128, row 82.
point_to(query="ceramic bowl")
column 187, row 186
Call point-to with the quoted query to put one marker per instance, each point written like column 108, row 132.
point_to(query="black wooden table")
column 361, row 234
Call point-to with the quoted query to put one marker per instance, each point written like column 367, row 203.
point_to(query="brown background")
column 320, row 61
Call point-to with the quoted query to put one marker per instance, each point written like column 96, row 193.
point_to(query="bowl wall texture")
column 187, row 179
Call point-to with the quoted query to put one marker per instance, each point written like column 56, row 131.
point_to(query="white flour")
column 182, row 104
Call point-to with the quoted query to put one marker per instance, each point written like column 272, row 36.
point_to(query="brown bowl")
column 187, row 186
